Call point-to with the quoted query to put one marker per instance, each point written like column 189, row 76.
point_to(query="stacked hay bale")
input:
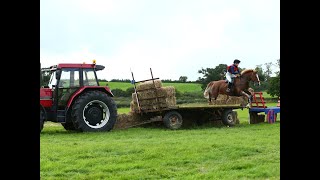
column 152, row 96
column 223, row 99
column 125, row 121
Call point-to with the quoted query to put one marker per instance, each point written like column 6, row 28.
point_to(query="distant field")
column 117, row 85
column 182, row 87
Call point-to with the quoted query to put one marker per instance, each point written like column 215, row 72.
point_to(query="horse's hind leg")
column 215, row 95
column 210, row 99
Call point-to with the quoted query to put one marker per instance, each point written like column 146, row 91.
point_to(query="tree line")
column 269, row 84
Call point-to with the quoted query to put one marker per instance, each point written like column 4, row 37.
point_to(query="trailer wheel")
column 229, row 117
column 94, row 111
column 172, row 120
column 42, row 118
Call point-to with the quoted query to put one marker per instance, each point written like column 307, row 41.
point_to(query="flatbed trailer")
column 174, row 117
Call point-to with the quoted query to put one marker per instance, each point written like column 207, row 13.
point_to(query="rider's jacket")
column 233, row 69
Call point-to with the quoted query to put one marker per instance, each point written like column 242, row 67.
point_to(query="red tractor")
column 74, row 98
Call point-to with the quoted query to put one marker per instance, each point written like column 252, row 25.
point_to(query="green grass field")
column 245, row 151
column 182, row 87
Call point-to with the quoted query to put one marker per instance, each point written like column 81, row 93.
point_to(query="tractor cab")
column 66, row 79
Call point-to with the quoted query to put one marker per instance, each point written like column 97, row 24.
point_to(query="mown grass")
column 246, row 151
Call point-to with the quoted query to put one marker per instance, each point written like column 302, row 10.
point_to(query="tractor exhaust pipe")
column 40, row 76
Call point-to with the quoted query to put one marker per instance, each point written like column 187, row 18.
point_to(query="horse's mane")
column 247, row 71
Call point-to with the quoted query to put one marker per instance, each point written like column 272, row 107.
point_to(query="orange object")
column 258, row 101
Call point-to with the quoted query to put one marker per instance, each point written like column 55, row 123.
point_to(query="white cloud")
column 96, row 7
column 175, row 41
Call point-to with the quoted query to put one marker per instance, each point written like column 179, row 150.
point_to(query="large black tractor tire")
column 68, row 126
column 42, row 118
column 229, row 117
column 172, row 120
column 94, row 111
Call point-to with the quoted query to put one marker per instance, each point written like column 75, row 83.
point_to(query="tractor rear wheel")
column 94, row 111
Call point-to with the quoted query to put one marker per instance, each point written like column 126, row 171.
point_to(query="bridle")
column 248, row 80
column 258, row 80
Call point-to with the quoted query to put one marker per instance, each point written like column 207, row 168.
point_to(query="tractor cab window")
column 89, row 77
column 69, row 78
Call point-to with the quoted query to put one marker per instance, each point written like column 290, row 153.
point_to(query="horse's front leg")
column 249, row 98
column 250, row 95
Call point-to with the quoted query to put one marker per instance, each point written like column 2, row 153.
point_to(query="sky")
column 172, row 37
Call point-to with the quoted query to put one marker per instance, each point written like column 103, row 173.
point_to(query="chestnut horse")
column 240, row 86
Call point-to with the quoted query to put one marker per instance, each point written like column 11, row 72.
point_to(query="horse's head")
column 251, row 75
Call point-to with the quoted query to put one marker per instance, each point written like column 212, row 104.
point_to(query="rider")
column 232, row 72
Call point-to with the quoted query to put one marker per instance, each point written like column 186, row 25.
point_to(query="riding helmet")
column 236, row 61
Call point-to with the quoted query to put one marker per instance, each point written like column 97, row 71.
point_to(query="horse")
column 240, row 86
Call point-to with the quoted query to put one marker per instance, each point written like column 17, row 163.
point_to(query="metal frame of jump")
column 258, row 105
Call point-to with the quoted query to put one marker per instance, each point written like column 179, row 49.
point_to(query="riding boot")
column 229, row 87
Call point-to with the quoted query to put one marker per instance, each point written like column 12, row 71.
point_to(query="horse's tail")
column 207, row 90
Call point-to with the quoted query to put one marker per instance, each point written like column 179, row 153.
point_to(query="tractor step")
column 61, row 116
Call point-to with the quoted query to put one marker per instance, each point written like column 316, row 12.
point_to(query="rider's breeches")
column 230, row 77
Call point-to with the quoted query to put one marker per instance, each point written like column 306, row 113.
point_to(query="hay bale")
column 167, row 91
column 170, row 101
column 219, row 102
column 222, row 97
column 134, row 107
column 151, row 98
column 232, row 100
column 171, row 91
column 152, row 104
column 236, row 100
column 149, row 94
column 147, row 102
column 127, row 120
column 149, row 85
